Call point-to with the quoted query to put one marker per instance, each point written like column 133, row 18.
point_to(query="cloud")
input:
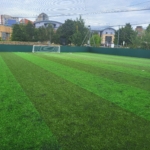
column 94, row 12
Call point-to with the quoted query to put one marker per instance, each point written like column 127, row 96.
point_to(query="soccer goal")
column 45, row 48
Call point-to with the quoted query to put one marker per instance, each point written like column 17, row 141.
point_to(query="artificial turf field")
column 74, row 101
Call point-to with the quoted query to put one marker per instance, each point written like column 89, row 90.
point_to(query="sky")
column 96, row 13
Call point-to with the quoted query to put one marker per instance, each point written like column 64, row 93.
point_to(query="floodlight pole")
column 89, row 34
column 118, row 37
column 91, row 37
column 86, row 36
column 84, row 39
column 50, row 37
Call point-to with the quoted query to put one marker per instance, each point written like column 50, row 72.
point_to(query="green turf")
column 21, row 126
column 82, row 106
column 131, row 98
column 113, row 63
column 121, row 77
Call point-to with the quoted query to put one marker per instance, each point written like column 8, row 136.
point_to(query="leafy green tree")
column 29, row 32
column 148, row 28
column 36, row 34
column 67, row 30
column 57, row 35
column 72, row 31
column 76, row 38
column 17, row 34
column 23, row 32
column 136, row 42
column 125, row 34
column 143, row 41
column 50, row 33
column 95, row 40
column 41, row 34
column 80, row 32
column 122, row 36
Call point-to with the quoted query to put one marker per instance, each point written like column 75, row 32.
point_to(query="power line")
column 119, row 25
column 132, row 24
column 120, row 11
column 92, row 13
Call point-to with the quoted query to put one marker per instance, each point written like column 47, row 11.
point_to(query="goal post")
column 45, row 48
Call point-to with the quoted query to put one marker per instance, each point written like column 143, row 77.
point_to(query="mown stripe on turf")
column 128, row 97
column 138, row 71
column 80, row 119
column 21, row 126
column 132, row 80
column 116, row 59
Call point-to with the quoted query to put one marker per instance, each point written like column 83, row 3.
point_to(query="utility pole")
column 86, row 36
column 89, row 35
column 118, row 37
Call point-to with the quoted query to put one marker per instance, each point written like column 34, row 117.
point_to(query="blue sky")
column 94, row 12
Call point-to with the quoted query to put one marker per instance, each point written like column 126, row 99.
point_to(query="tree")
column 148, row 28
column 29, row 32
column 36, row 34
column 142, row 41
column 57, row 36
column 41, row 34
column 125, row 34
column 80, row 32
column 49, row 33
column 76, row 38
column 23, row 32
column 145, row 41
column 67, row 30
column 95, row 40
column 136, row 42
column 72, row 32
column 17, row 34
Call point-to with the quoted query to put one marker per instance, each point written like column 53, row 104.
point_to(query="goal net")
column 45, row 48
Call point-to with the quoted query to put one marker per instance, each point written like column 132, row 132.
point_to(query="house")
column 54, row 24
column 8, row 20
column 42, row 17
column 139, row 30
column 25, row 21
column 107, row 35
column 5, row 32
column 43, row 21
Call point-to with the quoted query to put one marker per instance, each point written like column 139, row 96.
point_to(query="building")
column 139, row 30
column 5, row 32
column 107, row 35
column 25, row 21
column 54, row 24
column 8, row 20
column 43, row 21
column 42, row 17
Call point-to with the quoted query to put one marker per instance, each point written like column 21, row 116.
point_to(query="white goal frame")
column 46, row 49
